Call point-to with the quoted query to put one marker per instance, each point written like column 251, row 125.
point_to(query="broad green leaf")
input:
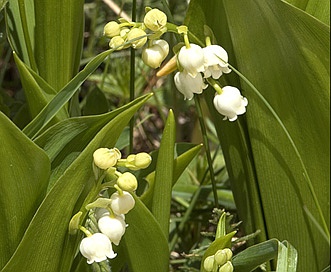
column 66, row 139
column 24, row 176
column 37, row 92
column 3, row 4
column 48, row 231
column 287, row 258
column 320, row 9
column 145, row 244
column 284, row 52
column 95, row 102
column 59, row 39
column 50, row 110
column 254, row 256
column 164, row 174
column 16, row 27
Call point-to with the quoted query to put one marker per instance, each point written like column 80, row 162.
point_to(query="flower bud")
column 220, row 257
column 143, row 160
column 105, row 157
column 135, row 33
column 122, row 203
column 127, row 182
column 228, row 253
column 208, row 263
column 116, row 42
column 227, row 267
column 155, row 54
column 111, row 29
column 155, row 19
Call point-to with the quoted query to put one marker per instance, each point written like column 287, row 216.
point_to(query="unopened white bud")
column 105, row 157
column 127, row 182
column 135, row 33
column 111, row 29
column 155, row 19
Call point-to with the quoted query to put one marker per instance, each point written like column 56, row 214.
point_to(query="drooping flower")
column 156, row 53
column 113, row 227
column 122, row 203
column 96, row 248
column 216, row 61
column 105, row 157
column 230, row 103
column 191, row 59
column 189, row 85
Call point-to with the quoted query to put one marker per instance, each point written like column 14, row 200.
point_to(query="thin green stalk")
column 305, row 172
column 132, row 79
column 207, row 148
column 21, row 4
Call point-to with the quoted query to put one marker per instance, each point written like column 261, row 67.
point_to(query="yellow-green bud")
column 220, row 257
column 228, row 253
column 127, row 182
column 155, row 19
column 208, row 263
column 111, row 29
column 143, row 160
column 115, row 42
column 105, row 157
column 135, row 33
column 227, row 267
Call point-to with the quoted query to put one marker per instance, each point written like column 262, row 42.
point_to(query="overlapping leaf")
column 24, row 174
column 284, row 52
column 48, row 230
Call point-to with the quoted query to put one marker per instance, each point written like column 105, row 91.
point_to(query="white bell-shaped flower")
column 113, row 227
column 189, row 85
column 230, row 103
column 191, row 59
column 155, row 54
column 122, row 203
column 216, row 61
column 96, row 248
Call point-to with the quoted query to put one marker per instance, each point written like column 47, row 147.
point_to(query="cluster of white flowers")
column 197, row 66
column 219, row 262
column 109, row 213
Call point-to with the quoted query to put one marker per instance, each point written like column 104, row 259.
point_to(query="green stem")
column 27, row 39
column 305, row 172
column 207, row 148
column 132, row 80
